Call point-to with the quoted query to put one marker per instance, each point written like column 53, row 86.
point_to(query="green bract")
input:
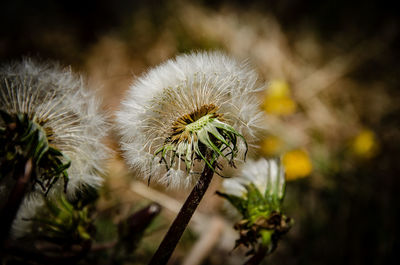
column 261, row 185
column 22, row 139
column 207, row 139
column 62, row 222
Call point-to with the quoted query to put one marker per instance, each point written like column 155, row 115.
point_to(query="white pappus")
column 59, row 101
column 181, row 108
column 268, row 176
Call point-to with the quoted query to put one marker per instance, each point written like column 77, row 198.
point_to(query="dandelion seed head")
column 176, row 106
column 57, row 100
column 22, row 224
column 267, row 176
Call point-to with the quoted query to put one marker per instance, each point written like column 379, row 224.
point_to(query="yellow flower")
column 271, row 146
column 365, row 144
column 278, row 100
column 297, row 164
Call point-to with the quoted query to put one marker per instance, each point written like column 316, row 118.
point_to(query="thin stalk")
column 14, row 201
column 258, row 256
column 180, row 223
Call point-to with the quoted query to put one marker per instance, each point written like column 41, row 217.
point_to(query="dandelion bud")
column 257, row 193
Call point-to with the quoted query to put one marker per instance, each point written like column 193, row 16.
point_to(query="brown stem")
column 258, row 256
column 180, row 223
column 14, row 201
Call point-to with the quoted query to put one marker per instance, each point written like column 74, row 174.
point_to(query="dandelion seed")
column 57, row 103
column 190, row 112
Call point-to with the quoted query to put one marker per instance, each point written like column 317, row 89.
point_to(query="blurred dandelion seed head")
column 68, row 113
column 267, row 175
column 188, row 113
column 59, row 102
column 22, row 224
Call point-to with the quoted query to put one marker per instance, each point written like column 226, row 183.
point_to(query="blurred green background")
column 333, row 106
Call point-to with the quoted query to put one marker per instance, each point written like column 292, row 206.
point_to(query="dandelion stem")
column 258, row 256
column 11, row 207
column 180, row 223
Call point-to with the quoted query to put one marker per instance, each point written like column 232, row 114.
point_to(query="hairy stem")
column 180, row 223
column 14, row 201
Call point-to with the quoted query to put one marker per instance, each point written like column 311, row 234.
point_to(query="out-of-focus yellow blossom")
column 365, row 144
column 297, row 164
column 271, row 146
column 278, row 100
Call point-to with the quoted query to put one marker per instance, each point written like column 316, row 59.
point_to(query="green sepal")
column 204, row 138
column 213, row 140
column 198, row 152
column 239, row 203
column 266, row 236
column 257, row 204
column 22, row 139
column 62, row 222
column 230, row 129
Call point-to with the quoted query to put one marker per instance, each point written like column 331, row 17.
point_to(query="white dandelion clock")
column 22, row 224
column 195, row 111
column 61, row 117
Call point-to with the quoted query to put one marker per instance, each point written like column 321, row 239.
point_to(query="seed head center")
column 185, row 126
column 200, row 123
